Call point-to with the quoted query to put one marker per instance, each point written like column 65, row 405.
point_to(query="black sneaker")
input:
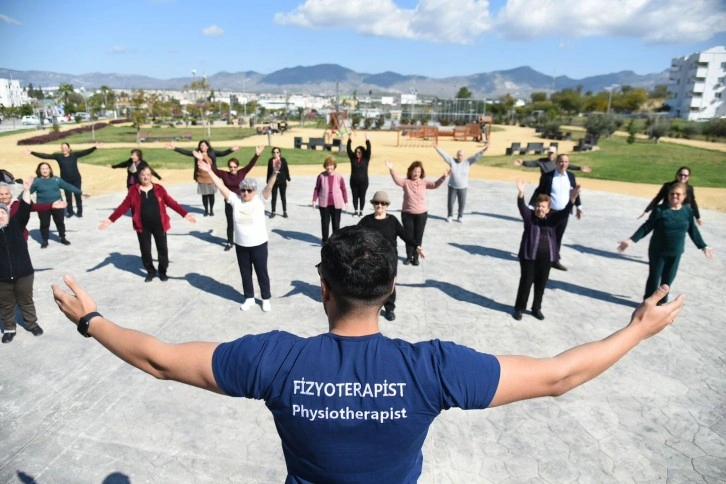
column 163, row 277
column 44, row 245
column 79, row 215
column 414, row 261
column 150, row 277
column 69, row 215
column 64, row 241
column 8, row 337
column 37, row 331
column 407, row 261
column 558, row 265
column 389, row 315
column 272, row 215
column 227, row 246
column 517, row 314
column 211, row 213
column 538, row 314
column 284, row 214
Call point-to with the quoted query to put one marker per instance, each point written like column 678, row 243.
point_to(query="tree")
column 65, row 91
column 138, row 106
column 632, row 131
column 538, row 96
column 600, row 125
column 660, row 91
column 568, row 100
column 463, row 93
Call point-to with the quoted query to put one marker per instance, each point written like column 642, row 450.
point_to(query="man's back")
column 354, row 408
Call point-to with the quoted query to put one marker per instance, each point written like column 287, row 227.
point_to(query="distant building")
column 11, row 94
column 697, row 85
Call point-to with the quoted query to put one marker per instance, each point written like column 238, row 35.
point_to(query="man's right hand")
column 74, row 305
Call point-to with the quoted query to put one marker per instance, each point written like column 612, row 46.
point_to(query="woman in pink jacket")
column 330, row 196
column 414, row 212
column 148, row 202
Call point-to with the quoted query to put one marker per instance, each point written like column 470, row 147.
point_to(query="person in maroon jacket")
column 148, row 202
column 13, row 204
column 232, row 180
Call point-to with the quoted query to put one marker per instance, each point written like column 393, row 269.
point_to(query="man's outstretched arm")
column 524, row 377
column 189, row 363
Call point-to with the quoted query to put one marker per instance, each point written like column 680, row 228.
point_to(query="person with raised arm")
column 459, row 180
column 359, row 158
column 367, row 399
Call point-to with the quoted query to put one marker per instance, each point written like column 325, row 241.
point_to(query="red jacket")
column 133, row 202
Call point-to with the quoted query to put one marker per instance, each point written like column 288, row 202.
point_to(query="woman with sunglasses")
column 278, row 164
column 232, row 180
column 388, row 226
column 250, row 231
column 359, row 160
column 669, row 223
column 413, row 211
column 683, row 174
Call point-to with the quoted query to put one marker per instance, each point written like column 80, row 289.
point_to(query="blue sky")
column 437, row 38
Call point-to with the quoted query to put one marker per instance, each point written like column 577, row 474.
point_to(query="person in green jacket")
column 669, row 224
column 48, row 190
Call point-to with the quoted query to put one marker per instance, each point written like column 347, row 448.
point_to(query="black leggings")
column 283, row 197
column 162, row 249
column 358, row 190
column 328, row 214
column 208, row 202
column 414, row 224
column 60, row 223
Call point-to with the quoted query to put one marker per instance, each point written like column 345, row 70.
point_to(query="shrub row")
column 56, row 135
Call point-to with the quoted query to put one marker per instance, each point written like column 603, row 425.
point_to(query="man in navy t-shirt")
column 367, row 399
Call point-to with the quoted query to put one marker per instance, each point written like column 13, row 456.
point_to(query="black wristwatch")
column 85, row 321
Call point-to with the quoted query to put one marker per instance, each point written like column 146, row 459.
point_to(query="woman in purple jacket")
column 538, row 249
column 330, row 196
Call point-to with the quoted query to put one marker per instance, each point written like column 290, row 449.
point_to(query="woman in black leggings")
column 359, row 160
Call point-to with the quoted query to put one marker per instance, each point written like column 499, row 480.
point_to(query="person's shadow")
column 212, row 286
column 591, row 293
column 461, row 294
column 486, row 251
column 499, row 216
column 306, row 289
column 124, row 262
column 604, row 253
column 294, row 235
column 208, row 236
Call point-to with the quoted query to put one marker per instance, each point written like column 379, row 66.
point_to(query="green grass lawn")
column 643, row 162
column 160, row 158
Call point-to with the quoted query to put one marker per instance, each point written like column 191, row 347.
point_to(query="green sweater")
column 669, row 230
column 49, row 189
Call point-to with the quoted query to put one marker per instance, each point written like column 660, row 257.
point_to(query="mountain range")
column 325, row 79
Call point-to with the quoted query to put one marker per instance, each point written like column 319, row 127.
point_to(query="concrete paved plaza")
column 70, row 412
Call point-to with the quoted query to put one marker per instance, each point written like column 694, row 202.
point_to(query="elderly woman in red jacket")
column 331, row 196
column 148, row 202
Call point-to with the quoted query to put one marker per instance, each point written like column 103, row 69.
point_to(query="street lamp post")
column 610, row 96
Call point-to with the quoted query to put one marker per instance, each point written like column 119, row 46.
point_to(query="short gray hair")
column 249, row 183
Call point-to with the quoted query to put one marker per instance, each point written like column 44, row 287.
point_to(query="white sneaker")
column 266, row 305
column 460, row 220
column 249, row 302
column 448, row 220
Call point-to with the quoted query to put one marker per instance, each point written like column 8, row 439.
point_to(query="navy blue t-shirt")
column 354, row 409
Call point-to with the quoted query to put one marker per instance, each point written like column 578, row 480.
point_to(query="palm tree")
column 65, row 90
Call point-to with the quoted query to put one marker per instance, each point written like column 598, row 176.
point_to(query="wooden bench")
column 147, row 137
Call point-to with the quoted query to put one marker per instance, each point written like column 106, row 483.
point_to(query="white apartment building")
column 11, row 94
column 697, row 85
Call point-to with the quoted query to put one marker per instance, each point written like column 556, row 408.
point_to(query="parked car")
column 83, row 116
column 31, row 119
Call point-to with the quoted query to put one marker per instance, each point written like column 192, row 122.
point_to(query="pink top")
column 414, row 192
column 330, row 186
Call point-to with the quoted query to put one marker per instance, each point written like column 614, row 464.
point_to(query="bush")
column 599, row 125
column 689, row 131
column 56, row 135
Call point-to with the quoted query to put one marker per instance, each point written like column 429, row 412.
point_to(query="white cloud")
column 653, row 21
column 463, row 21
column 213, row 30
column 453, row 21
column 119, row 49
column 9, row 20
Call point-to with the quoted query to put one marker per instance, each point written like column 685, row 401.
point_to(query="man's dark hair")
column 359, row 266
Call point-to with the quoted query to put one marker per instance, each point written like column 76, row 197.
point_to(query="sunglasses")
column 684, row 175
column 385, row 204
column 246, row 190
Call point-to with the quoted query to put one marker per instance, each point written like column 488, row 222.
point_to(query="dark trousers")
column 327, row 215
column 283, row 197
column 456, row 194
column 249, row 258
column 414, row 224
column 60, row 224
column 358, row 190
column 560, row 231
column 230, row 222
column 208, row 202
column 161, row 248
column 535, row 272
column 69, row 198
column 18, row 293
column 662, row 269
